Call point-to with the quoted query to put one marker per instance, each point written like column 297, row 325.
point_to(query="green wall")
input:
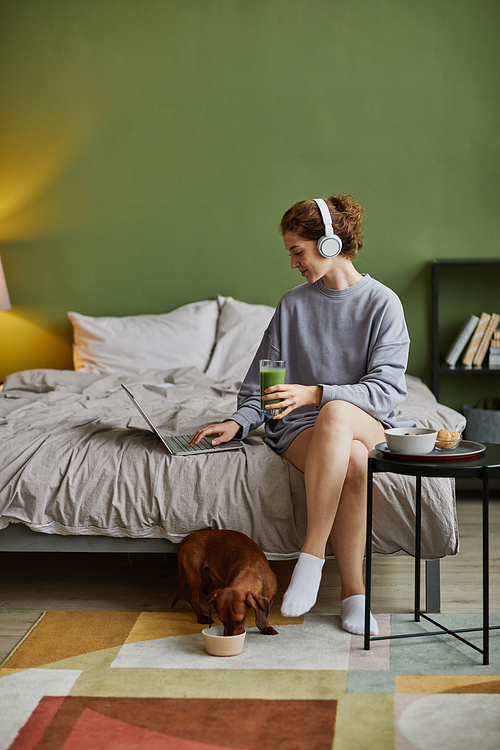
column 148, row 149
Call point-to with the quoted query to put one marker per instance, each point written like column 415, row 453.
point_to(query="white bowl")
column 218, row 644
column 415, row 441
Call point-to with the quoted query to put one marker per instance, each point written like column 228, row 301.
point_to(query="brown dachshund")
column 240, row 578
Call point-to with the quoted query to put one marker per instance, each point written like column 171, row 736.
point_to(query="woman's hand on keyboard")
column 223, row 433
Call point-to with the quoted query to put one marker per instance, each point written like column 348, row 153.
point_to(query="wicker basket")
column 483, row 425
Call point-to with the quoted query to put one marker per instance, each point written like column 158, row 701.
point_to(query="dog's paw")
column 205, row 620
column 269, row 631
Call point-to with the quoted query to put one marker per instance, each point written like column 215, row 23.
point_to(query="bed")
column 80, row 470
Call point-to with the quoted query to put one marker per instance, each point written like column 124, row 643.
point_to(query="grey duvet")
column 76, row 458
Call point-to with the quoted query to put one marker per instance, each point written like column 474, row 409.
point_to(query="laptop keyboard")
column 182, row 441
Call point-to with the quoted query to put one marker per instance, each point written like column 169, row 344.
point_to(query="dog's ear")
column 261, row 606
column 212, row 599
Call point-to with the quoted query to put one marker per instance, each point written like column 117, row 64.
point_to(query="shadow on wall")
column 28, row 340
column 35, row 203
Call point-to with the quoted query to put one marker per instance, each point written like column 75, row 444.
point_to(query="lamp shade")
column 4, row 292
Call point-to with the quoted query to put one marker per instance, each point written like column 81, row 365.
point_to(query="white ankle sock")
column 352, row 615
column 302, row 591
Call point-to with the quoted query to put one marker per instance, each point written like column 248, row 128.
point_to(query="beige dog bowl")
column 218, row 644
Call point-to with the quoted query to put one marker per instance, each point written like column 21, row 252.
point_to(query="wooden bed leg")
column 433, row 586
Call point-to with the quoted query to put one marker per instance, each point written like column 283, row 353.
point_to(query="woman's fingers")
column 291, row 396
column 222, row 433
column 274, row 389
column 274, row 392
column 200, row 434
column 284, row 411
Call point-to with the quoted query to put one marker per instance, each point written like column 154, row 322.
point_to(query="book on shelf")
column 476, row 339
column 461, row 340
column 485, row 341
column 494, row 354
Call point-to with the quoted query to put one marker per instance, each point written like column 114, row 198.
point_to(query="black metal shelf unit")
column 440, row 367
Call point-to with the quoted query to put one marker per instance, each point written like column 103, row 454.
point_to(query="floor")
column 32, row 583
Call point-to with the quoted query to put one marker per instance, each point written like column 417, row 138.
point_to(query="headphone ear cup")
column 329, row 246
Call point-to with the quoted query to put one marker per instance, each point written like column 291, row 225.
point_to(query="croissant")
column 447, row 438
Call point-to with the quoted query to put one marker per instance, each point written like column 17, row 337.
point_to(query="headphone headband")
column 330, row 245
column 325, row 215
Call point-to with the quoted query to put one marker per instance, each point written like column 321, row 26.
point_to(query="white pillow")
column 239, row 333
column 184, row 337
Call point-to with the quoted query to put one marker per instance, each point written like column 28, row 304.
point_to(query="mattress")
column 77, row 459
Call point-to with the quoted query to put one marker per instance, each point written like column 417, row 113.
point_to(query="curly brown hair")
column 304, row 219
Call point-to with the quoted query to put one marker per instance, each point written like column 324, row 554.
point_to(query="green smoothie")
column 268, row 377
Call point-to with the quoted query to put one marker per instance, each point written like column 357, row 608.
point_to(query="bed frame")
column 19, row 538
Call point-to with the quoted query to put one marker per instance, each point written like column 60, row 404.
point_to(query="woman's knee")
column 336, row 415
column 341, row 418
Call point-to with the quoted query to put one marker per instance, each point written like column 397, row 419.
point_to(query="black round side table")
column 482, row 467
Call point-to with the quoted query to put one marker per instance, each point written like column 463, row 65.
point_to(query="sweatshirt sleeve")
column 383, row 386
column 248, row 415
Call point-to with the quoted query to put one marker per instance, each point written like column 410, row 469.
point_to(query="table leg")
column 418, row 544
column 433, row 585
column 486, row 566
column 368, row 554
column 481, row 472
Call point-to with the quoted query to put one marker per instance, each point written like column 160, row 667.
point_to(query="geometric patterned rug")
column 143, row 681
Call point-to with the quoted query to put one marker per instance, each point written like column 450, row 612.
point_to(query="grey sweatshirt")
column 353, row 342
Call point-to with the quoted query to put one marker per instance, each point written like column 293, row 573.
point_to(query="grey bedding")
column 76, row 458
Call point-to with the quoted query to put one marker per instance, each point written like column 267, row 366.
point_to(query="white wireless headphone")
column 330, row 245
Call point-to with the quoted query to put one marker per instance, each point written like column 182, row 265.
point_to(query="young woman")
column 344, row 338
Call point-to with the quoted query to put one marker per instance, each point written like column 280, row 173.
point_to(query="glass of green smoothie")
column 272, row 372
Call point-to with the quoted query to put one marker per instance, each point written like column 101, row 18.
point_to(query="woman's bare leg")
column 348, row 533
column 333, row 457
column 348, row 538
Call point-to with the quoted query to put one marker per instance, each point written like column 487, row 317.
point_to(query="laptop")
column 178, row 445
